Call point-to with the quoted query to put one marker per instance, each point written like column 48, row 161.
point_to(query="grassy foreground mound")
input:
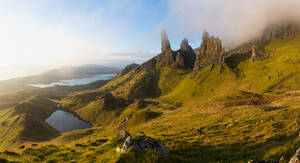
column 25, row 122
column 249, row 111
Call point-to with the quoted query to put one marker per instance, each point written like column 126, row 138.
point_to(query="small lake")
column 64, row 121
column 74, row 82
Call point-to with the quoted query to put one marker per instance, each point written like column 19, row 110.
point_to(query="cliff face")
column 273, row 31
column 279, row 31
column 128, row 68
column 210, row 52
column 258, row 53
column 185, row 57
column 165, row 43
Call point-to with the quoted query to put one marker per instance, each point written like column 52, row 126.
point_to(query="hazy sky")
column 75, row 32
column 79, row 31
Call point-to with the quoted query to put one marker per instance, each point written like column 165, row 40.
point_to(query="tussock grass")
column 250, row 111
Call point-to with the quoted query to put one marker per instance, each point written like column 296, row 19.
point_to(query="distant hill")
column 203, row 104
column 64, row 73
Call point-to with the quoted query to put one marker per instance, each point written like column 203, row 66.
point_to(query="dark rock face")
column 279, row 31
column 273, row 31
column 185, row 55
column 128, row 68
column 258, row 53
column 143, row 143
column 165, row 43
column 166, row 59
column 210, row 52
column 108, row 100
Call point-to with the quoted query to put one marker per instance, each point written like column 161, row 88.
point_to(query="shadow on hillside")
column 239, row 152
column 234, row 60
column 272, row 108
column 278, row 84
column 147, row 87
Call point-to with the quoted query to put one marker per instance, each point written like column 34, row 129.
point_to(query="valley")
column 65, row 76
column 204, row 105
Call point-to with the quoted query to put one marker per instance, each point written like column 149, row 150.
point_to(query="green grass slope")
column 25, row 122
column 249, row 111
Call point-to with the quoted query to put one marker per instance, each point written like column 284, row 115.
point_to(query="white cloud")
column 232, row 20
column 28, row 37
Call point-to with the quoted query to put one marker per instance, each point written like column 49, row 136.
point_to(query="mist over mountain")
column 201, row 81
column 233, row 21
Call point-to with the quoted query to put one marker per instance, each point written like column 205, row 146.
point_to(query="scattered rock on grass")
column 263, row 161
column 296, row 157
column 142, row 143
column 123, row 134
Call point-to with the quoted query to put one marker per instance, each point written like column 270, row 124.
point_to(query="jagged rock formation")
column 165, row 43
column 210, row 52
column 184, row 57
column 296, row 157
column 128, row 68
column 273, row 31
column 279, row 31
column 142, row 143
column 258, row 53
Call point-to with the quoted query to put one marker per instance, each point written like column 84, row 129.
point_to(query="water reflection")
column 64, row 121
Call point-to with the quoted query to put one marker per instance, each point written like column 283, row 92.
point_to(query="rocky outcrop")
column 258, row 53
column 296, row 157
column 166, row 59
column 108, row 100
column 165, row 43
column 277, row 30
column 143, row 143
column 123, row 134
column 210, row 52
column 128, row 68
column 263, row 161
column 125, row 120
column 185, row 56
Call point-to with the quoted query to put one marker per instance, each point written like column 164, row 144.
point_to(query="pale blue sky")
column 84, row 31
column 74, row 32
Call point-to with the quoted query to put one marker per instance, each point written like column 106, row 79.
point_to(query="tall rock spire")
column 184, row 45
column 185, row 56
column 165, row 43
column 210, row 52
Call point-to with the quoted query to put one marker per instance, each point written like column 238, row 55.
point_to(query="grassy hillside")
column 225, row 113
column 65, row 73
column 25, row 122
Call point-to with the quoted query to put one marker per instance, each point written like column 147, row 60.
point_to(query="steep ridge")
column 152, row 79
column 249, row 111
column 210, row 52
column 278, row 30
column 25, row 122
column 222, row 94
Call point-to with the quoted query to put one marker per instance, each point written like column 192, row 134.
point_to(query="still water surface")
column 64, row 121
column 73, row 82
